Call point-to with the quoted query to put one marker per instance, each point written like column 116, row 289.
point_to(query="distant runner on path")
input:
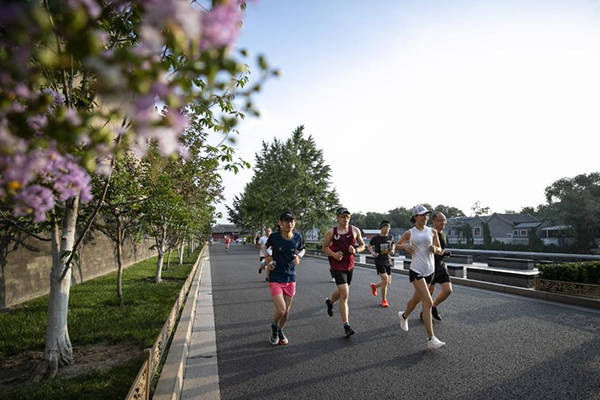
column 341, row 258
column 288, row 249
column 421, row 242
column 381, row 248
column 441, row 271
column 263, row 251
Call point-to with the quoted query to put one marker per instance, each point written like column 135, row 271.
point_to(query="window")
column 477, row 231
column 515, row 233
column 524, row 233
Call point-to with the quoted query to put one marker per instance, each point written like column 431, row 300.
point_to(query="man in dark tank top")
column 441, row 272
column 338, row 245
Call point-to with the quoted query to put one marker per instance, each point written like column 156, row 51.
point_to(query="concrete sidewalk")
column 201, row 376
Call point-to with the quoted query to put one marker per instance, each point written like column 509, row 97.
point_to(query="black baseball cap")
column 341, row 211
column 287, row 216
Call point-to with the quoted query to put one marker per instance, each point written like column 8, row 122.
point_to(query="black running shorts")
column 384, row 269
column 440, row 276
column 342, row 277
column 415, row 276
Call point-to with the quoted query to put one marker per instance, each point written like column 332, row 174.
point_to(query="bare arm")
column 436, row 247
column 359, row 239
column 403, row 245
column 370, row 248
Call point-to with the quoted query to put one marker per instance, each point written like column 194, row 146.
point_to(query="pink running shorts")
column 287, row 289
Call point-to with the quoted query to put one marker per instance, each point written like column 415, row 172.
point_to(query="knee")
column 280, row 310
column 449, row 290
column 343, row 296
column 427, row 303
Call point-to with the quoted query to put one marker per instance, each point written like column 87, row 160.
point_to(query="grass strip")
column 95, row 317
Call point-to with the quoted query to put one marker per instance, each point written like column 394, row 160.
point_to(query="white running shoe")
column 434, row 343
column 403, row 321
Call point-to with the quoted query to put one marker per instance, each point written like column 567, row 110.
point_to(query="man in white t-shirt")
column 263, row 251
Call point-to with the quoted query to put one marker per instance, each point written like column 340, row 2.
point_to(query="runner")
column 422, row 243
column 261, row 242
column 343, row 236
column 227, row 240
column 441, row 272
column 381, row 248
column 288, row 249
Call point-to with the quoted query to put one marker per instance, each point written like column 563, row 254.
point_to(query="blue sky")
column 430, row 101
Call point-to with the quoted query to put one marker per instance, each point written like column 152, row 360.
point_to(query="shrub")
column 582, row 272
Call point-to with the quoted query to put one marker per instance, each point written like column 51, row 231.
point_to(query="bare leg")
column 280, row 309
column 341, row 294
column 443, row 295
column 288, row 304
column 423, row 296
column 388, row 280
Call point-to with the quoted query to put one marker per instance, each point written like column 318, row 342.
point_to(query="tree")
column 449, row 211
column 288, row 175
column 478, row 209
column 81, row 80
column 487, row 237
column 577, row 200
column 120, row 215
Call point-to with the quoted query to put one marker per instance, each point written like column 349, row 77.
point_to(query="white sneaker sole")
column 403, row 322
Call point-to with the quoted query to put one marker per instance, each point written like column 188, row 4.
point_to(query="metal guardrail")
column 140, row 389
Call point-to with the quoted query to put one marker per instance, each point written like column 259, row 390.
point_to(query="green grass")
column 95, row 317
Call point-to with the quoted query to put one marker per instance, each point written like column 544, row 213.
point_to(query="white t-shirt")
column 422, row 261
column 261, row 242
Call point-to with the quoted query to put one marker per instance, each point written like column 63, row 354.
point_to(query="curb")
column 497, row 287
column 170, row 382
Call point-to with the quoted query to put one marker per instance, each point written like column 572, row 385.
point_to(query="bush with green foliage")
column 582, row 272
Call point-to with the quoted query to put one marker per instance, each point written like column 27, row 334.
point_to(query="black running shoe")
column 435, row 314
column 348, row 331
column 260, row 270
column 274, row 338
column 282, row 339
column 329, row 307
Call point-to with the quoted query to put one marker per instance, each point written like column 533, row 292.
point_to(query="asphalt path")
column 497, row 346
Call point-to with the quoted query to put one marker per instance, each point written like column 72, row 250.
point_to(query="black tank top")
column 439, row 259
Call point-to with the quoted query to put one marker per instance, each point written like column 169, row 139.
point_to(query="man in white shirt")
column 263, row 251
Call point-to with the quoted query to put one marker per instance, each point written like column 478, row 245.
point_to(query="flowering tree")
column 82, row 81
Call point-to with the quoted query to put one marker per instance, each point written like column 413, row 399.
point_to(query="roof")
column 223, row 228
column 515, row 218
column 371, row 231
column 557, row 228
column 527, row 225
column 460, row 221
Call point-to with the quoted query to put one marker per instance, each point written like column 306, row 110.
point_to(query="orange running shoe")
column 384, row 304
column 373, row 289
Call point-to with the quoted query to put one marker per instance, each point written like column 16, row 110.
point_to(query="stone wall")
column 27, row 273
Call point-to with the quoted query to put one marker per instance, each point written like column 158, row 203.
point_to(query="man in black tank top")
column 441, row 272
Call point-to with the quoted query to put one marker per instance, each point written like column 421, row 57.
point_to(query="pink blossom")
column 221, row 25
column 160, row 13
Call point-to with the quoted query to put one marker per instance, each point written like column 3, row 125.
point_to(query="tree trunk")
column 169, row 258
column 119, row 264
column 159, row 264
column 160, row 245
column 181, row 253
column 59, row 351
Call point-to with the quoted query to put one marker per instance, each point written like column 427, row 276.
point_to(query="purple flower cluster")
column 36, row 200
column 34, row 179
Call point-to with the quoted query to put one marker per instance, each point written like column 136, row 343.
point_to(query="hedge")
column 582, row 272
